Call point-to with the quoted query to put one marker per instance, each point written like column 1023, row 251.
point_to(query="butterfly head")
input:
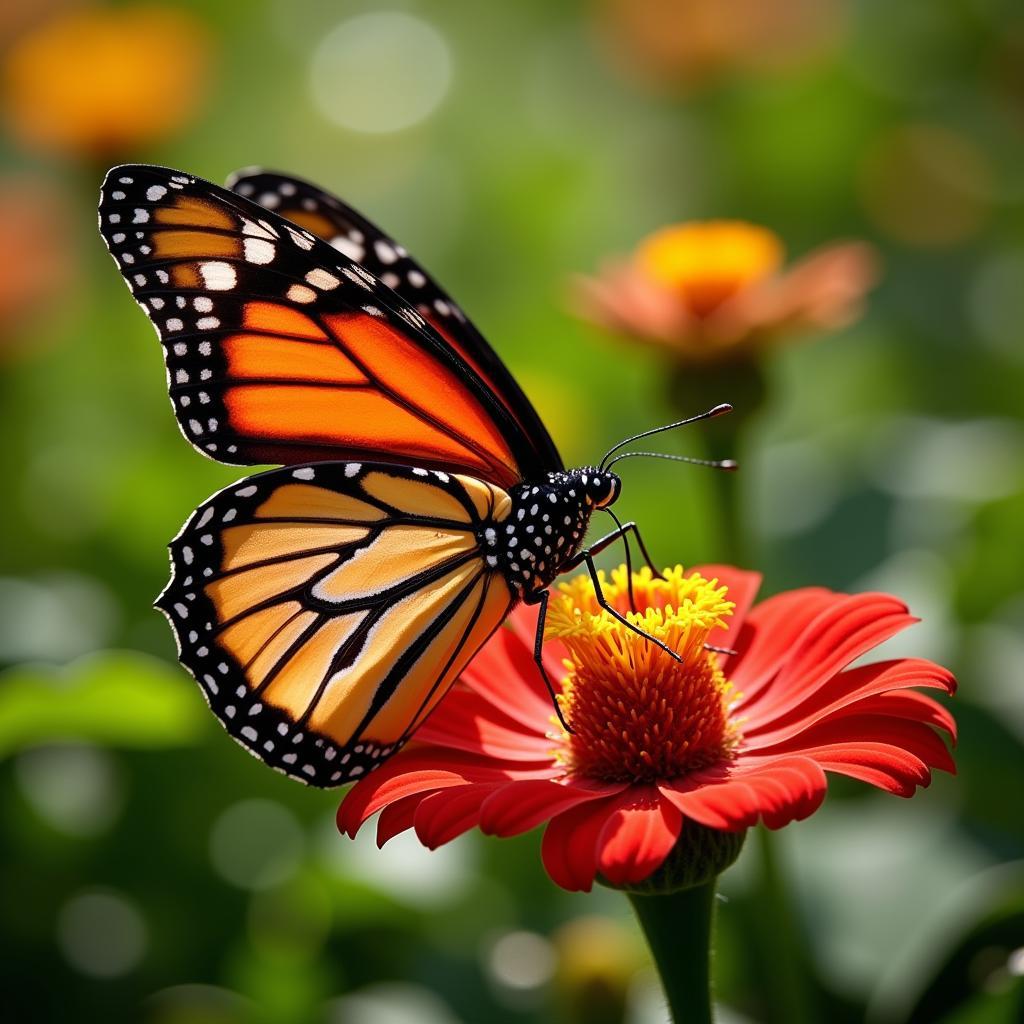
column 601, row 487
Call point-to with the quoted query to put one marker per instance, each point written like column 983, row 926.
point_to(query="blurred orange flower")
column 710, row 291
column 686, row 43
column 99, row 83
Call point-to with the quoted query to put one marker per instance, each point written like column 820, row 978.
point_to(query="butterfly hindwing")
column 351, row 233
column 281, row 349
column 325, row 609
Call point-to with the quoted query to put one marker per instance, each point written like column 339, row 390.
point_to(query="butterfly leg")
column 585, row 557
column 603, row 542
column 608, row 539
column 538, row 657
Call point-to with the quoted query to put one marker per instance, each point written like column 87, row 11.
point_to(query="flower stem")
column 786, row 962
column 677, row 926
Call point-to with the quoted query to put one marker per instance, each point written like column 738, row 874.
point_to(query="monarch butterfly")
column 325, row 607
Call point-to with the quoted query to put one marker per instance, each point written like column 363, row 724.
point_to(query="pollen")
column 708, row 262
column 636, row 713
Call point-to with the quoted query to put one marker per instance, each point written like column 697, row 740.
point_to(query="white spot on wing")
column 322, row 279
column 300, row 293
column 218, row 276
column 258, row 250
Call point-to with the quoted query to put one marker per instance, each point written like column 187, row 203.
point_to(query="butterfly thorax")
column 546, row 524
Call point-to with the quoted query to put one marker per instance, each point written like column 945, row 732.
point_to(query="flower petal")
column 504, row 673
column 779, row 791
column 841, row 633
column 880, row 764
column 910, row 704
column 420, row 769
column 466, row 720
column 743, row 587
column 637, row 836
column 847, row 730
column 520, row 806
column 769, row 632
column 846, row 688
column 569, row 847
column 623, row 299
column 396, row 818
column 448, row 813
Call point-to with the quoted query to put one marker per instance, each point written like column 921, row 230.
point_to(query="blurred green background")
column 150, row 870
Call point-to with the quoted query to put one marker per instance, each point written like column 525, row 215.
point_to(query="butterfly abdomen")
column 546, row 525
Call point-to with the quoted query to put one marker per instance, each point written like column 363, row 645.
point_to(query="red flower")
column 720, row 740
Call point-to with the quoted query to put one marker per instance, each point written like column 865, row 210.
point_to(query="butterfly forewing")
column 351, row 233
column 325, row 609
column 281, row 349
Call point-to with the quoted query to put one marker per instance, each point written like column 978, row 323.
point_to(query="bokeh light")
column 381, row 72
column 394, row 1003
column 256, row 844
column 102, row 934
column 402, row 867
column 76, row 789
column 996, row 303
column 54, row 617
column 521, row 961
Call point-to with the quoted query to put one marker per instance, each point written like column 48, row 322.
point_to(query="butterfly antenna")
column 718, row 410
column 629, row 558
column 727, row 464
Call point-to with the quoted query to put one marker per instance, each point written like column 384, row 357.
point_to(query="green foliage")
column 120, row 699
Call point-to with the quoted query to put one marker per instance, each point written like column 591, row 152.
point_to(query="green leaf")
column 119, row 698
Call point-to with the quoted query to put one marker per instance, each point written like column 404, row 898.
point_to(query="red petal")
column 465, row 720
column 887, row 767
column 846, row 688
column 569, row 847
column 523, row 624
column 421, row 769
column 910, row 704
column 397, row 817
column 520, row 806
column 743, row 587
column 448, row 813
column 637, row 836
column 768, row 634
column 779, row 791
column 841, row 633
column 851, row 728
column 505, row 674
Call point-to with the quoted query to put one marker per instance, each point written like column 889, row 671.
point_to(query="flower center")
column 707, row 262
column 636, row 713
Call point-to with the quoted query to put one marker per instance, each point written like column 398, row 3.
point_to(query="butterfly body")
column 546, row 524
column 324, row 607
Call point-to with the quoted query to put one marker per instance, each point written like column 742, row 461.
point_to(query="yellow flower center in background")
column 100, row 82
column 709, row 261
column 636, row 713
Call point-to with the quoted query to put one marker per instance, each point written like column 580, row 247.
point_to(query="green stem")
column 786, row 971
column 677, row 926
column 786, row 968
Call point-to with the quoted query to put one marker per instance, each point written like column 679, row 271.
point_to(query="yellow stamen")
column 707, row 262
column 636, row 713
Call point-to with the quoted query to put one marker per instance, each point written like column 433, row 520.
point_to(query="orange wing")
column 350, row 232
column 326, row 609
column 281, row 349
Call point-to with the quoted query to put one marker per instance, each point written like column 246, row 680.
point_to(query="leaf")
column 118, row 698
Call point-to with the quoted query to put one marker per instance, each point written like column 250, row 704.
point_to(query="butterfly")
column 326, row 606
